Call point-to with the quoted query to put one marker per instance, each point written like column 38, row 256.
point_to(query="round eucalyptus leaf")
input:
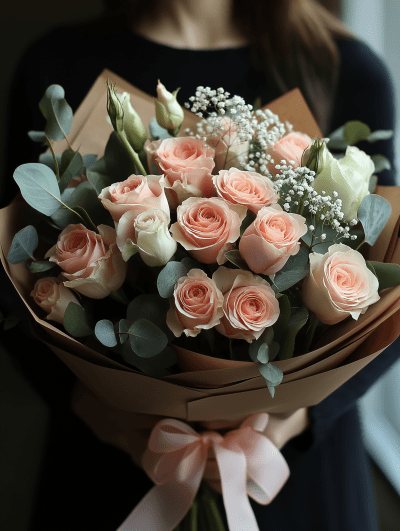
column 380, row 135
column 76, row 321
column 272, row 374
column 168, row 277
column 104, row 331
column 355, row 131
column 123, row 329
column 146, row 339
column 57, row 113
column 23, row 245
column 40, row 266
column 37, row 136
column 373, row 213
column 39, row 187
column 381, row 163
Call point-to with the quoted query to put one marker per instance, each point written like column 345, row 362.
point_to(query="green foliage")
column 272, row 374
column 355, row 131
column 373, row 214
column 76, row 321
column 118, row 164
column 298, row 318
column 83, row 200
column 72, row 165
column 155, row 366
column 123, row 328
column 248, row 220
column 381, row 163
column 150, row 307
column 23, row 246
column 168, row 277
column 48, row 160
column 237, row 259
column 146, row 339
column 37, row 136
column 380, row 135
column 57, row 113
column 39, row 187
column 104, row 331
column 295, row 269
column 40, row 266
column 98, row 177
column 388, row 274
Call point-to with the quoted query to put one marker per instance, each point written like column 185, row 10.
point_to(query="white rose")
column 147, row 233
column 169, row 114
column 348, row 176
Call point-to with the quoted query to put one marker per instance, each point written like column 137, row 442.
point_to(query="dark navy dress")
column 86, row 485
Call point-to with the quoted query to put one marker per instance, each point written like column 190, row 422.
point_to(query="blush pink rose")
column 271, row 239
column 53, row 297
column 136, row 192
column 186, row 164
column 339, row 285
column 246, row 188
column 208, row 228
column 250, row 305
column 196, row 304
column 291, row 147
column 91, row 263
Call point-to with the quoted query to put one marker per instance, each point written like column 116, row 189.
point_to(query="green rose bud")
column 114, row 108
column 312, row 156
column 169, row 114
column 133, row 126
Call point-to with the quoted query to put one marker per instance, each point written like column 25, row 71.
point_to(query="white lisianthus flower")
column 348, row 176
column 169, row 114
column 148, row 234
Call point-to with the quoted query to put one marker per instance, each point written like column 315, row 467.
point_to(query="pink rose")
column 208, row 228
column 91, row 263
column 291, row 147
column 245, row 188
column 196, row 304
column 53, row 297
column 186, row 163
column 227, row 144
column 136, row 192
column 339, row 285
column 271, row 239
column 250, row 305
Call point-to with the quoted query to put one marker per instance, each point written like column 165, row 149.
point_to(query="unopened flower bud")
column 133, row 126
column 114, row 108
column 169, row 114
column 313, row 155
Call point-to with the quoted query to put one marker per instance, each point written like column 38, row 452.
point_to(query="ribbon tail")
column 232, row 469
column 164, row 506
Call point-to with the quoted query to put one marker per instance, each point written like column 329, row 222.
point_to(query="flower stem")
column 132, row 153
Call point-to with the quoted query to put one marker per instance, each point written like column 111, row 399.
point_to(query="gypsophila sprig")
column 246, row 134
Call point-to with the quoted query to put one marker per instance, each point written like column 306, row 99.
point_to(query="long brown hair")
column 292, row 41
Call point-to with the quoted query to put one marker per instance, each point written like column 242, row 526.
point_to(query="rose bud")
column 132, row 123
column 196, row 304
column 135, row 193
column 246, row 188
column 114, row 108
column 91, row 263
column 228, row 145
column 250, row 305
column 208, row 228
column 290, row 148
column 186, row 163
column 147, row 233
column 339, row 284
column 169, row 114
column 53, row 297
column 348, row 176
column 271, row 239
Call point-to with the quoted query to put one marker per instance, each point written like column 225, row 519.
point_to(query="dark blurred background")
column 23, row 416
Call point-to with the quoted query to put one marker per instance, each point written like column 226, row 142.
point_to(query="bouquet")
column 211, row 268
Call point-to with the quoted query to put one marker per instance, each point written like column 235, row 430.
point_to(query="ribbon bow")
column 249, row 464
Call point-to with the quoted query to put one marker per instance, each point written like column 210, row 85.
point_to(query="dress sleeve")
column 365, row 93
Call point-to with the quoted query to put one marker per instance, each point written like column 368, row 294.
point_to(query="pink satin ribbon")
column 249, row 464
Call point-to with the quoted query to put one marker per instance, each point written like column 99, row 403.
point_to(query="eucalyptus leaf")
column 265, row 339
column 74, row 168
column 190, row 263
column 295, row 269
column 39, row 187
column 47, row 159
column 373, row 181
column 273, row 350
column 237, row 259
column 89, row 160
column 104, row 331
column 119, row 165
column 355, row 131
column 155, row 366
column 284, row 315
column 248, row 220
column 381, row 163
column 271, row 373
column 373, row 213
column 297, row 320
column 151, row 307
column 40, row 266
column 23, row 246
column 168, row 277
column 83, row 200
column 146, row 339
column 336, row 140
column 76, row 321
column 388, row 274
column 37, row 136
column 57, row 113
column 98, row 177
column 123, row 328
column 380, row 135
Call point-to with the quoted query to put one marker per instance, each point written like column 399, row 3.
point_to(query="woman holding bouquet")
column 256, row 49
